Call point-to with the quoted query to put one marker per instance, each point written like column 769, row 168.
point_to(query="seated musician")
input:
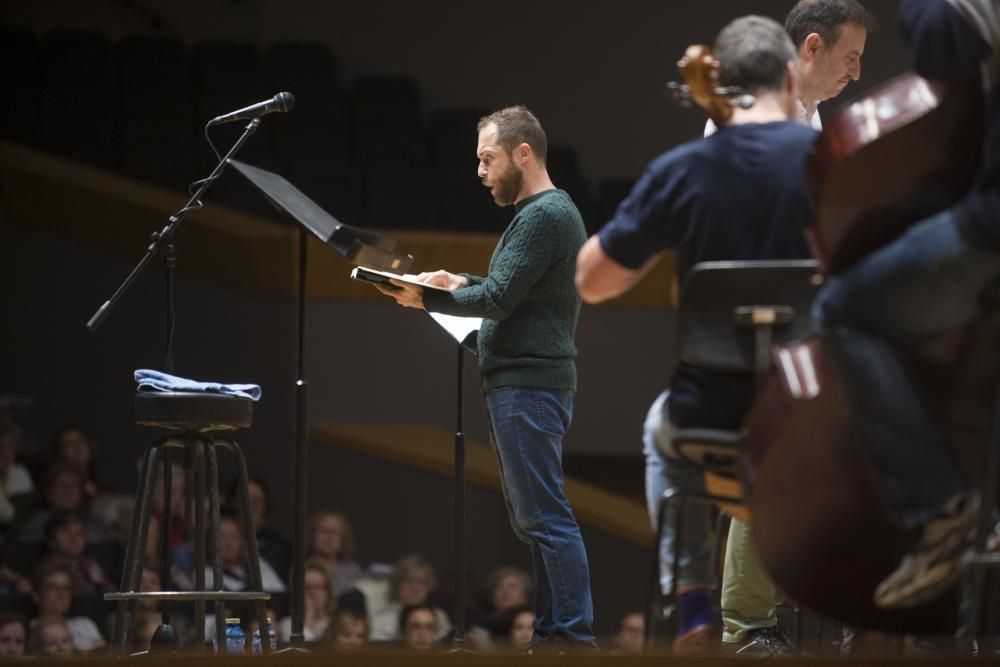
column 738, row 194
column 927, row 282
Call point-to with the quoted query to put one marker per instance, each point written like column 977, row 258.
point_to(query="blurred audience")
column 51, row 638
column 411, row 584
column 418, row 625
column 16, row 486
column 522, row 626
column 53, row 594
column 271, row 544
column 631, row 635
column 13, row 635
column 62, row 490
column 64, row 534
column 348, row 631
column 319, row 605
column 331, row 542
column 233, row 554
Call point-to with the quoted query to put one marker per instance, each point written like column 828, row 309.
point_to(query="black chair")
column 194, row 422
column 729, row 316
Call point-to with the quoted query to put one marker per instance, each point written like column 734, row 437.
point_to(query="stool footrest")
column 189, row 595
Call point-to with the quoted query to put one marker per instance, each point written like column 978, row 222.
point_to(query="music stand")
column 465, row 331
column 356, row 246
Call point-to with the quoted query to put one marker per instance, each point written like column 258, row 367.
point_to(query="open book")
column 382, row 278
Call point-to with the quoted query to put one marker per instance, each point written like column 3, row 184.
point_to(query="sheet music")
column 459, row 328
column 363, row 273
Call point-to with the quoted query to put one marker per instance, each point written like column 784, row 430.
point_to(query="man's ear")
column 811, row 45
column 522, row 152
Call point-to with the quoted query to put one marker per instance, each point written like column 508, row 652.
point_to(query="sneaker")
column 933, row 564
column 772, row 642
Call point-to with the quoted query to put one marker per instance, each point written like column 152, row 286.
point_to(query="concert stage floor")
column 396, row 659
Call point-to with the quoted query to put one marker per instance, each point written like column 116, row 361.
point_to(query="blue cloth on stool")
column 150, row 380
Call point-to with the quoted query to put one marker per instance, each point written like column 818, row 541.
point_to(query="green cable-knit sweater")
column 528, row 300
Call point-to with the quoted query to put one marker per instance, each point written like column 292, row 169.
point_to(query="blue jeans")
column 926, row 283
column 528, row 425
column 674, row 473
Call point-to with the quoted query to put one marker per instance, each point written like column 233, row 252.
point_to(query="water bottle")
column 272, row 638
column 235, row 638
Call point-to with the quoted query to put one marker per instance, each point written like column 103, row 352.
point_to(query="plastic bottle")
column 235, row 637
column 271, row 635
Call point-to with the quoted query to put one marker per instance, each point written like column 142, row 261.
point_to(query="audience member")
column 70, row 445
column 522, row 626
column 52, row 638
column 233, row 554
column 418, row 625
column 13, row 635
column 319, row 605
column 331, row 542
column 631, row 635
column 348, row 631
column 508, row 588
column 62, row 489
column 53, row 582
column 15, row 481
column 64, row 534
column 411, row 584
column 271, row 544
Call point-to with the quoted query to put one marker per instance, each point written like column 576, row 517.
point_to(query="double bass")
column 904, row 151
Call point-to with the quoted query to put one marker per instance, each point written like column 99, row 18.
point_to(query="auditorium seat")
column 609, row 195
column 452, row 138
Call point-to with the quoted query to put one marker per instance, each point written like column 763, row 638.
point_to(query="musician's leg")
column 666, row 472
column 749, row 599
column 925, row 284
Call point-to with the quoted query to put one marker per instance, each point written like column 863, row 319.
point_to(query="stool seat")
column 193, row 411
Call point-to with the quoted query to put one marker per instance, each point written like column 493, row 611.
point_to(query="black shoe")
column 770, row 642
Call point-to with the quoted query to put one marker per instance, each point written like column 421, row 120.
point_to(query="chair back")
column 724, row 305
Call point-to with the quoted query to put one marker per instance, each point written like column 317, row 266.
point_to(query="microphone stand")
column 165, row 635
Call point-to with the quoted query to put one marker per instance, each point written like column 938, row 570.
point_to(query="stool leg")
column 212, row 474
column 135, row 551
column 655, row 607
column 166, row 522
column 199, row 539
column 253, row 556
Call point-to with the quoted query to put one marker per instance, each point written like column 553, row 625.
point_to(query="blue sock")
column 694, row 608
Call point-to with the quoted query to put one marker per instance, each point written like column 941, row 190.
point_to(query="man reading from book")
column 530, row 308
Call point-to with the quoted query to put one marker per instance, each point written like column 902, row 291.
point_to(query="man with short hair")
column 829, row 38
column 527, row 361
column 738, row 194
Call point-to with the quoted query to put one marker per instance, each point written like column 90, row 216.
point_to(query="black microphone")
column 280, row 102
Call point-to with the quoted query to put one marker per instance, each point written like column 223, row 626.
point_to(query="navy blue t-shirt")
column 738, row 194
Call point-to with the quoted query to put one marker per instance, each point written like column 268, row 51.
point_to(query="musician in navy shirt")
column 738, row 194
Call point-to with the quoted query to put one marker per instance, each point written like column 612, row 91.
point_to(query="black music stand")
column 465, row 331
column 356, row 246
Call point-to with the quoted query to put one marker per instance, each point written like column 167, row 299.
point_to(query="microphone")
column 280, row 102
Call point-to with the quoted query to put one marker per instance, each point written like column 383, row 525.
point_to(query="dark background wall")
column 595, row 74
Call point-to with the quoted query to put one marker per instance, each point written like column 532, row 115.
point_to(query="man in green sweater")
column 530, row 308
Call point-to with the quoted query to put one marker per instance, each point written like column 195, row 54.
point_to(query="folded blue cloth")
column 150, row 380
